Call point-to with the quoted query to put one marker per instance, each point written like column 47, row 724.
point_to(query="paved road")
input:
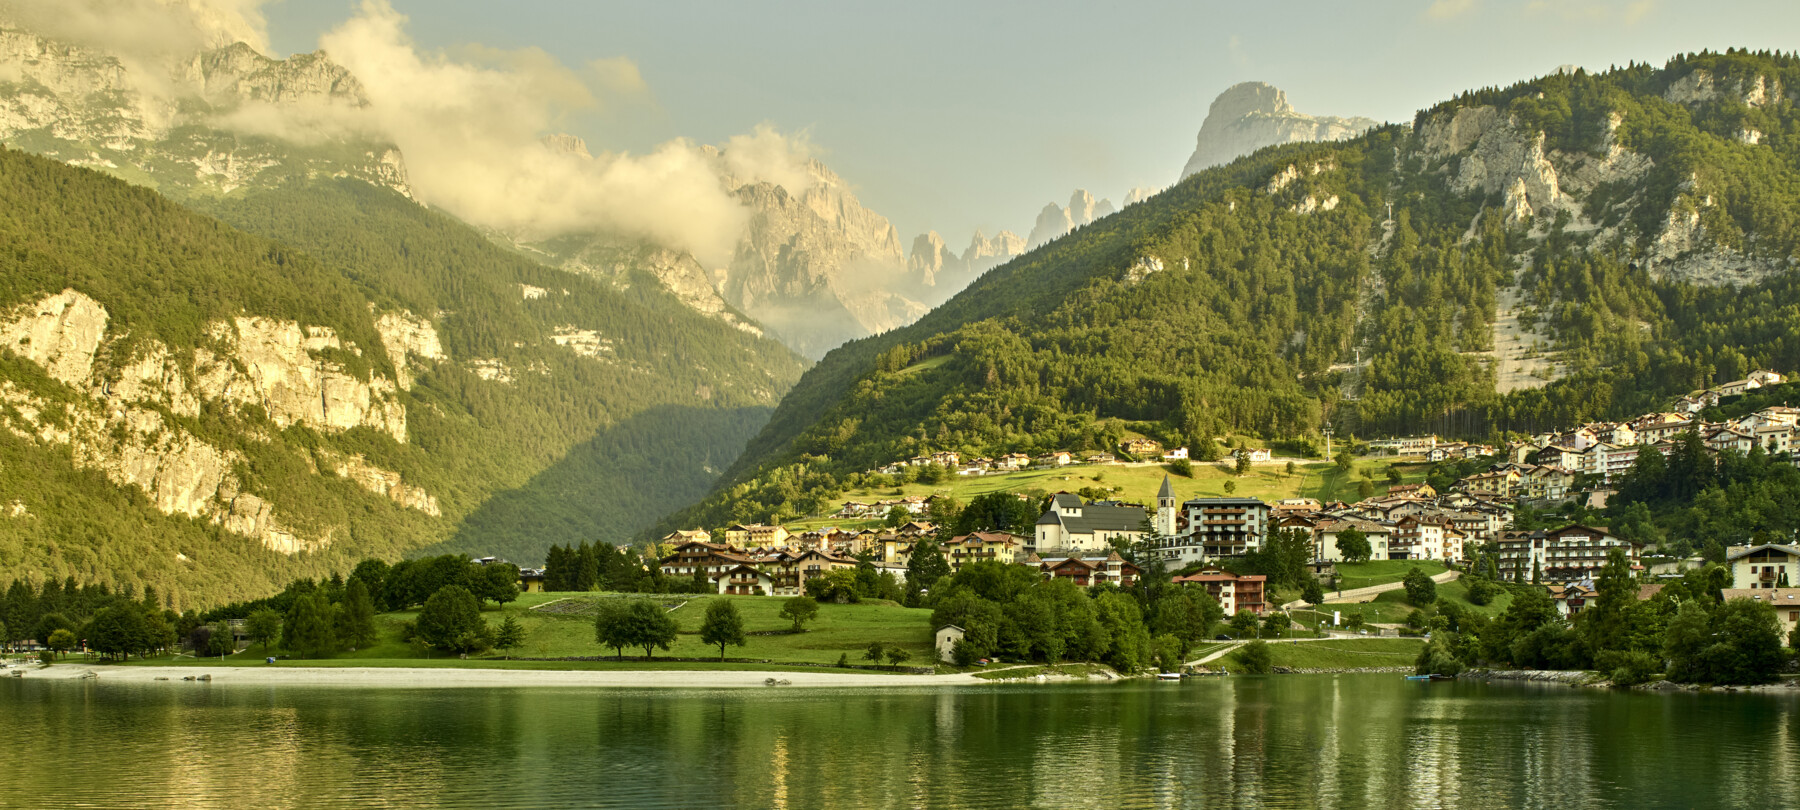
column 1358, row 595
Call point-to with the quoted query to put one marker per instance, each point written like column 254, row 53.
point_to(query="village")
column 1081, row 540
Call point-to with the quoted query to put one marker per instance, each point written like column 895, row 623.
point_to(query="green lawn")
column 1381, row 572
column 1337, row 654
column 1269, row 482
column 1392, row 608
column 837, row 630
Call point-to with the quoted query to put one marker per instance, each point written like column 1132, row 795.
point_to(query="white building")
column 1765, row 566
column 1073, row 526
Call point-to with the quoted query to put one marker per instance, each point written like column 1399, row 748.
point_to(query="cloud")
column 145, row 29
column 769, row 156
column 1449, row 9
column 471, row 123
column 618, row 76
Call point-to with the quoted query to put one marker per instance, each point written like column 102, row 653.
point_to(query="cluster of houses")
column 782, row 563
column 1759, row 573
column 1608, row 449
column 1547, row 469
column 1141, row 448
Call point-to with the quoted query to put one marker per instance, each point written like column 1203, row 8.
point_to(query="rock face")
column 1252, row 115
column 1056, row 221
column 984, row 254
column 941, row 273
column 815, row 266
column 265, row 367
column 1487, row 154
column 190, row 125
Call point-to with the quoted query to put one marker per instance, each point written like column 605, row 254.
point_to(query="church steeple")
column 1165, row 508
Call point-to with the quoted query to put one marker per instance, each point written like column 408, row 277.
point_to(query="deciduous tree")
column 723, row 625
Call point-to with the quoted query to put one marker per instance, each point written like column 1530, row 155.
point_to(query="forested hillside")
column 1638, row 226
column 187, row 405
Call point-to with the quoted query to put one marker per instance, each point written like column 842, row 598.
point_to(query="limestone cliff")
column 256, row 367
column 1252, row 115
column 1483, row 152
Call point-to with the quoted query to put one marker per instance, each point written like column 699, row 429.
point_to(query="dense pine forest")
column 1274, row 296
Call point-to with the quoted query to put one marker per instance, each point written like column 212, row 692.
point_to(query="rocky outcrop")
column 1253, row 115
column 617, row 260
column 381, row 482
column 283, row 374
column 60, row 332
column 265, row 366
column 583, row 342
column 1494, row 156
column 1490, row 155
column 408, row 339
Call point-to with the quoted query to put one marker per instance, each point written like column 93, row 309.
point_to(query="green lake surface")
column 1297, row 741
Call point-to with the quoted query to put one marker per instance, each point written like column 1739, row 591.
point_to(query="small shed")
column 945, row 639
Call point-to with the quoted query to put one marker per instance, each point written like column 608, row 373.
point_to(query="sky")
column 957, row 115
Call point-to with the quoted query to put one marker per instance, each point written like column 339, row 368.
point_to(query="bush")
column 1256, row 658
column 964, row 653
column 1627, row 668
column 1181, row 467
column 1437, row 658
column 1420, row 590
column 1482, row 591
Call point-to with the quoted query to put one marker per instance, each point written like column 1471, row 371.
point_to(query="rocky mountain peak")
column 1252, row 115
column 1055, row 221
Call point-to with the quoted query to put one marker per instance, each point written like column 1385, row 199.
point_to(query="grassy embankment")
column 1139, row 483
column 838, row 629
column 1381, row 572
column 1391, row 607
column 1355, row 653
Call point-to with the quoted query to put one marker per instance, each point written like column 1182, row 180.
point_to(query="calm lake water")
column 1322, row 741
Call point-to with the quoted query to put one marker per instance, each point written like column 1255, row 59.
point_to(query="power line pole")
column 1328, row 455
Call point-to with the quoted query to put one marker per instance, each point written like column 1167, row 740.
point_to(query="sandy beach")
column 404, row 677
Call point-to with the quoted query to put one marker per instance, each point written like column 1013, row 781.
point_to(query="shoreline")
column 454, row 677
column 1585, row 679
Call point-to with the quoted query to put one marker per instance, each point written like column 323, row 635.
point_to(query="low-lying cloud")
column 471, row 126
column 144, row 29
column 471, row 121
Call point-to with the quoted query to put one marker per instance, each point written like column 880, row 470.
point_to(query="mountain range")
column 1571, row 247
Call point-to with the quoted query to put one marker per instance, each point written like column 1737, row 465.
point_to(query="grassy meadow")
column 1140, row 482
column 556, row 626
column 1351, row 653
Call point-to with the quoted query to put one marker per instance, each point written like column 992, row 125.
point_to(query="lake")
column 1300, row 741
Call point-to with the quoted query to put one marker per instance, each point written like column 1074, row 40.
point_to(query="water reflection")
column 1301, row 742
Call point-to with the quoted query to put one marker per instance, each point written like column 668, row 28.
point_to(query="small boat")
column 1168, row 676
column 1432, row 677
